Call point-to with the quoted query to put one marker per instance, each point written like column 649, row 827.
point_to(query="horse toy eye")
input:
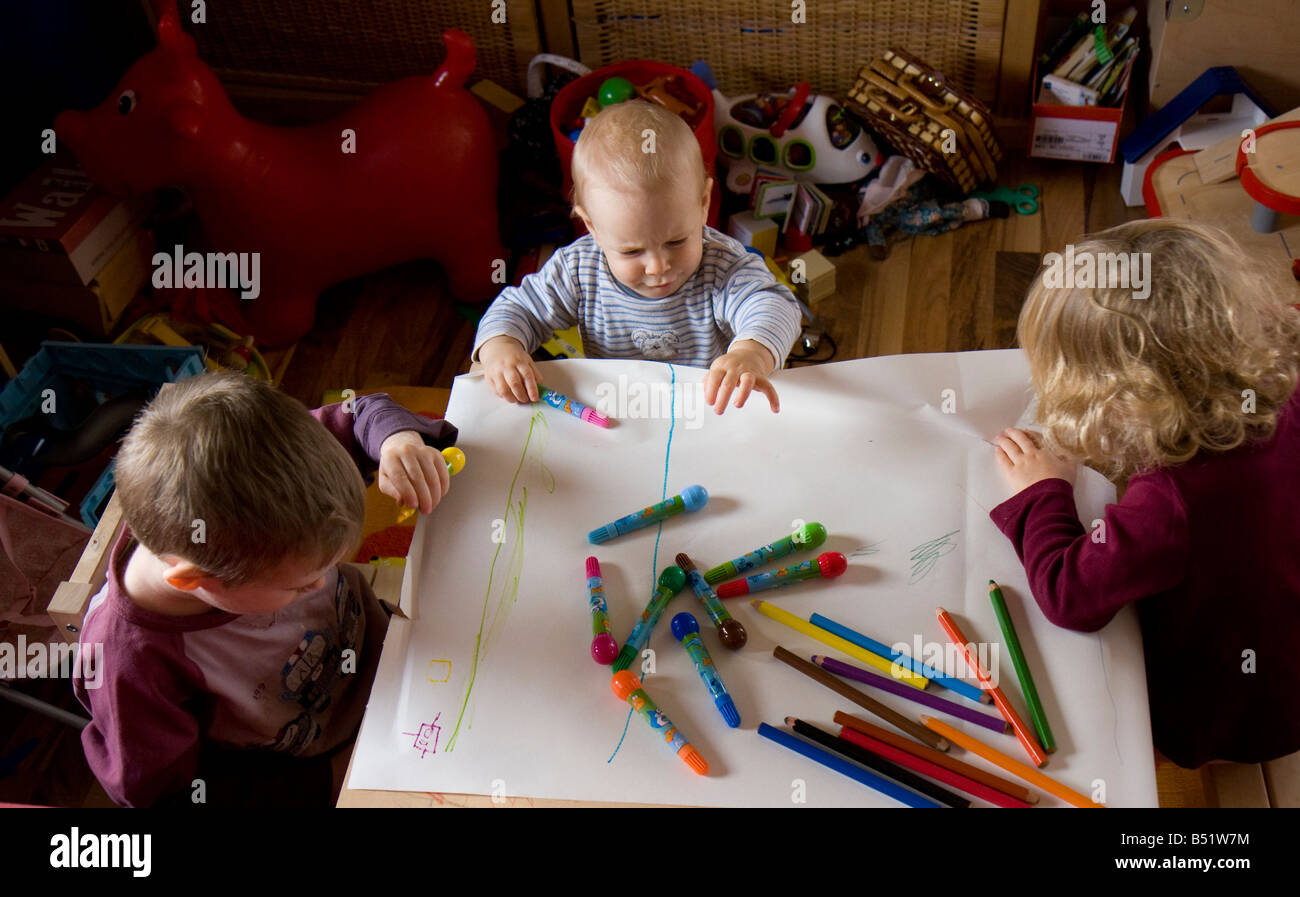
column 126, row 102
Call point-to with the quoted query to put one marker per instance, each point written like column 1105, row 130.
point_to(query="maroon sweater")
column 1210, row 552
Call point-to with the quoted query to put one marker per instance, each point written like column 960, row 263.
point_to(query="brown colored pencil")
column 893, row 717
column 1020, row 792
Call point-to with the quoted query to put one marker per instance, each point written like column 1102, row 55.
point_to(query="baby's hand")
column 746, row 366
column 509, row 370
column 1024, row 461
column 411, row 472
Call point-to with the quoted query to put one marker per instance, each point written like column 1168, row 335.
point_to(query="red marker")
column 828, row 565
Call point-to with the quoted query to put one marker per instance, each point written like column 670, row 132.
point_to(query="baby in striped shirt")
column 650, row 279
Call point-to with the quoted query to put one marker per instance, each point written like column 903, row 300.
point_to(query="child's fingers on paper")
column 744, row 388
column 516, row 391
column 724, row 392
column 764, row 385
column 711, row 381
column 433, row 469
column 1010, row 447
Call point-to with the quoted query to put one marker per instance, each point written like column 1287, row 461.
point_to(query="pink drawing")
column 422, row 737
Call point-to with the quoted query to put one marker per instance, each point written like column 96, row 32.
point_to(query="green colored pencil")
column 1022, row 669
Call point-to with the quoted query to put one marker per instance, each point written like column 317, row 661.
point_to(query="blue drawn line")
column 654, row 561
column 630, row 711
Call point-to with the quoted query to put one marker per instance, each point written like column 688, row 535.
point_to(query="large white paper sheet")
column 490, row 688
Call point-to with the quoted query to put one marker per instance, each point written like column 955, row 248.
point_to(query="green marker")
column 1022, row 669
column 806, row 537
column 671, row 581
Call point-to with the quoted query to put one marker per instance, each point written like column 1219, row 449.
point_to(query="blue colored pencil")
column 965, row 689
column 844, row 767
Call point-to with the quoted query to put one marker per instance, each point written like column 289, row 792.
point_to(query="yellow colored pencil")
column 1015, row 767
column 768, row 609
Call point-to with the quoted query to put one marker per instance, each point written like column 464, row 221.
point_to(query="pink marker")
column 577, row 409
column 603, row 647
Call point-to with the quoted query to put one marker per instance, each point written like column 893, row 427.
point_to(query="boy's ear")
column 185, row 576
column 580, row 212
column 708, row 193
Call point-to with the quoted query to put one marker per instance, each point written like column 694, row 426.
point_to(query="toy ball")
column 615, row 90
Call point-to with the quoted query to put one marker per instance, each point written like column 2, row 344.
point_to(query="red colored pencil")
column 933, row 770
column 1027, row 739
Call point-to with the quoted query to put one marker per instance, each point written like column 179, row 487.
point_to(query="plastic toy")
column 1022, row 199
column 408, row 172
column 615, row 90
column 670, row 91
column 810, row 136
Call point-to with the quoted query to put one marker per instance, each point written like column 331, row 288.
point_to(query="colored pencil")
column 1022, row 669
column 1006, row 786
column 965, row 689
column 1015, row 767
column 768, row 609
column 893, row 717
column 844, row 767
column 1004, row 706
column 848, row 670
column 934, row 770
column 882, row 765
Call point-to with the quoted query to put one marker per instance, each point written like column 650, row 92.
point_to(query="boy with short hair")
column 233, row 640
column 650, row 279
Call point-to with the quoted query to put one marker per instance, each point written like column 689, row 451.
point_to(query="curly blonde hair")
column 1128, row 383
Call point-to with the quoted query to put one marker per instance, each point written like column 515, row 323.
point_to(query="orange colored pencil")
column 1006, row 786
column 1015, row 767
column 1008, row 712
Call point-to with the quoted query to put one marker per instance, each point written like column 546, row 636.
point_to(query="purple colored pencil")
column 848, row 671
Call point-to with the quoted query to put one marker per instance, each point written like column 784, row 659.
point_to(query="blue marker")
column 686, row 629
column 965, row 689
column 692, row 498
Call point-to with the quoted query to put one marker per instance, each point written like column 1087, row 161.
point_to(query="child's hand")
column 509, row 370
column 746, row 366
column 411, row 472
column 1024, row 461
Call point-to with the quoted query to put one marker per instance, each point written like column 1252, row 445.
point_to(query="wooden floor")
column 955, row 292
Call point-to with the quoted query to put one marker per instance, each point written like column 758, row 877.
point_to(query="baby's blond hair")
column 1206, row 361
column 268, row 482
column 637, row 145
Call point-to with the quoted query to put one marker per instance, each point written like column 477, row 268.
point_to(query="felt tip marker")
column 686, row 629
column 603, row 647
column 567, row 405
column 692, row 498
column 671, row 581
column 455, row 459
column 730, row 630
column 828, row 565
column 806, row 537
column 628, row 688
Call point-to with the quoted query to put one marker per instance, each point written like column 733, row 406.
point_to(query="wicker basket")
column 754, row 45
column 349, row 47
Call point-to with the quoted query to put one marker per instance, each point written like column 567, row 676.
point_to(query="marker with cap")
column 455, row 459
column 603, row 647
column 671, row 581
column 628, row 687
column 686, row 629
column 827, row 565
column 730, row 630
column 692, row 498
column 808, row 536
column 567, row 405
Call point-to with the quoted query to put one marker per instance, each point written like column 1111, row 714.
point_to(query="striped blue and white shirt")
column 732, row 296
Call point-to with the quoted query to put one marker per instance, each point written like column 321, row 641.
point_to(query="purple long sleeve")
column 1210, row 553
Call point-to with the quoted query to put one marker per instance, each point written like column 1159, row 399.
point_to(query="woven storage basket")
column 349, row 47
column 754, row 45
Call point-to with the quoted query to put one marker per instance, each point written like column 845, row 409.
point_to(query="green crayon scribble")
column 927, row 554
column 509, row 581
